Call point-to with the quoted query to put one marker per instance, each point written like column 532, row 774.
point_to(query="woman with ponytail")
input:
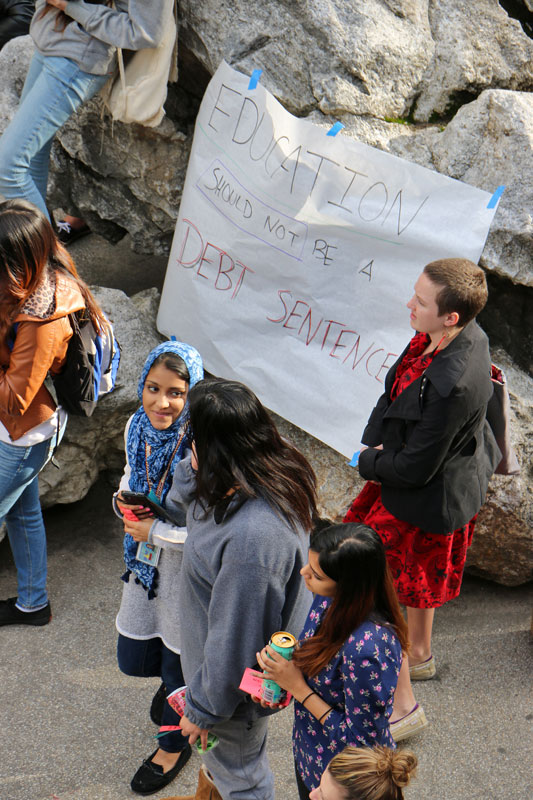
column 344, row 672
column 366, row 774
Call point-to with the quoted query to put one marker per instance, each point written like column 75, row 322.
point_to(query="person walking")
column 39, row 288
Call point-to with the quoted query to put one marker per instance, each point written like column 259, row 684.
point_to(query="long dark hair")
column 354, row 557
column 238, row 445
column 28, row 248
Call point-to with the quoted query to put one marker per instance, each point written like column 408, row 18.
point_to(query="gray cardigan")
column 139, row 617
column 97, row 30
column 240, row 582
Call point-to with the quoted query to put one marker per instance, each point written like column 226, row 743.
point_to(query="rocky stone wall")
column 503, row 542
column 443, row 83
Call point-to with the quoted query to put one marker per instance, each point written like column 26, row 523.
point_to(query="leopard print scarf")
column 42, row 303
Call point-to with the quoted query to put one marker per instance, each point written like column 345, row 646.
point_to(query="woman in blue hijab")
column 157, row 437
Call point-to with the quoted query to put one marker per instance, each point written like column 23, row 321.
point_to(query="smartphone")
column 140, row 499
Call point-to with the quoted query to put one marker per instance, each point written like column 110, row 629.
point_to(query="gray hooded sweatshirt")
column 95, row 32
column 240, row 582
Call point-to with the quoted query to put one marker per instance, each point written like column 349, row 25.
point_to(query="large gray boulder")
column 356, row 56
column 502, row 548
column 385, row 68
column 476, row 46
column 15, row 59
column 97, row 443
column 488, row 143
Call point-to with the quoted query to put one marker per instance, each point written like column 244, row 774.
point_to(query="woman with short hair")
column 429, row 457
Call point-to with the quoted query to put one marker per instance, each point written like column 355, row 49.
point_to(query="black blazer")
column 438, row 449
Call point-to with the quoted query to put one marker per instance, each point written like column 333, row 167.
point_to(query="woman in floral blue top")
column 344, row 672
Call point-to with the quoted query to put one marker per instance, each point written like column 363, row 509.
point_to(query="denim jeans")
column 20, row 509
column 150, row 658
column 55, row 88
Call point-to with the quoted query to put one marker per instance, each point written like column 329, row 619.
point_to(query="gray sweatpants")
column 238, row 764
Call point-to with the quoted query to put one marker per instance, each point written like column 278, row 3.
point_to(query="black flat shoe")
column 150, row 777
column 158, row 704
column 10, row 614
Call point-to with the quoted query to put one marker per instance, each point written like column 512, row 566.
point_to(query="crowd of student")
column 241, row 552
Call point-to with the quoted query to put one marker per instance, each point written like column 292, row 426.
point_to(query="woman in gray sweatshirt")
column 74, row 57
column 250, row 498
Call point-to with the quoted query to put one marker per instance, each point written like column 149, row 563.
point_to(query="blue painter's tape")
column 254, row 78
column 355, row 459
column 333, row 131
column 496, row 196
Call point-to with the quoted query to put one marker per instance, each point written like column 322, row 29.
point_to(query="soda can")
column 283, row 643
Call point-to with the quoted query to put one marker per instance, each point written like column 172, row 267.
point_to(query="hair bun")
column 402, row 765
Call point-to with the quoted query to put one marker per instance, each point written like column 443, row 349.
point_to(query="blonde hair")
column 377, row 773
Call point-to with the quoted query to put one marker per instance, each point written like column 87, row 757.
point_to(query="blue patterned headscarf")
column 149, row 452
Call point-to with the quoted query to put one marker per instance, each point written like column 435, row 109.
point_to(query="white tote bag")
column 138, row 93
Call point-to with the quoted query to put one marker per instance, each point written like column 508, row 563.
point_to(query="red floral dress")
column 427, row 568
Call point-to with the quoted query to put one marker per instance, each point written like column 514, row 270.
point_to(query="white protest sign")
column 295, row 252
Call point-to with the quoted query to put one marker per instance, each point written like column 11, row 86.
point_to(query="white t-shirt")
column 45, row 430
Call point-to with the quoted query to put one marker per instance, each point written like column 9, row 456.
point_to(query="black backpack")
column 91, row 365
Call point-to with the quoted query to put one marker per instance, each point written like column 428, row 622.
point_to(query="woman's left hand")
column 191, row 730
column 138, row 529
column 61, row 4
column 276, row 668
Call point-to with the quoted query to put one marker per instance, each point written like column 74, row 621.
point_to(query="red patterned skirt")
column 427, row 568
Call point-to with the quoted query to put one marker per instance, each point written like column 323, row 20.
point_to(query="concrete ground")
column 72, row 727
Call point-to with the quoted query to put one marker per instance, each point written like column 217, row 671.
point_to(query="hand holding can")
column 283, row 643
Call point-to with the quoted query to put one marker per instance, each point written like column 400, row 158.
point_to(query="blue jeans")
column 55, row 88
column 20, row 509
column 150, row 658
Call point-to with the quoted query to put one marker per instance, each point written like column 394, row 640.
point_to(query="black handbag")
column 498, row 417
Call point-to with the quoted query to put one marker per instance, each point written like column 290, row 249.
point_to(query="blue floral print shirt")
column 358, row 683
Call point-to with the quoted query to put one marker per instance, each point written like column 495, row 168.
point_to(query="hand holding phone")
column 152, row 509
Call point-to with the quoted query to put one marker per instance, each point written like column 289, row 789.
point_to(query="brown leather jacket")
column 40, row 347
